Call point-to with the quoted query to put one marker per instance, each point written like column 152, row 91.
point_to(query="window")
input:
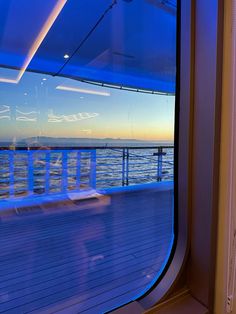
column 87, row 118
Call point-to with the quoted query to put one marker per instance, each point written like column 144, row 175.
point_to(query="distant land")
column 84, row 142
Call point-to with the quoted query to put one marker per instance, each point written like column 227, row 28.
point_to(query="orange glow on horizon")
column 102, row 134
column 39, row 39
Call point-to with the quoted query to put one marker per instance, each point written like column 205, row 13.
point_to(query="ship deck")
column 86, row 256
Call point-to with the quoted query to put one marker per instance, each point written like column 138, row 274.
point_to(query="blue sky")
column 45, row 105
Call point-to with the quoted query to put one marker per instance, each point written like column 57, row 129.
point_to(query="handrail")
column 44, row 147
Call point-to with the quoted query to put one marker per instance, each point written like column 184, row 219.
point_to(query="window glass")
column 86, row 171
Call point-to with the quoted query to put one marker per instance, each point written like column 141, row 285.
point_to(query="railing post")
column 30, row 172
column 64, row 172
column 78, row 169
column 11, row 173
column 92, row 180
column 127, row 166
column 159, row 164
column 123, row 166
column 47, row 172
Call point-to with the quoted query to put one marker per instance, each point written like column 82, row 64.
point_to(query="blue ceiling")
column 134, row 45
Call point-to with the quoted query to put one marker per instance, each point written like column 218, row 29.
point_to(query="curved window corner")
column 91, row 144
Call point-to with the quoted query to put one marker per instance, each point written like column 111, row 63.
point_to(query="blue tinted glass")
column 86, row 171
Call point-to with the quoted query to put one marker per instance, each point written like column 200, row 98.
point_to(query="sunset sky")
column 41, row 105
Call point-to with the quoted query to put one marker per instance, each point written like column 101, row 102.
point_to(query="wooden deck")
column 67, row 258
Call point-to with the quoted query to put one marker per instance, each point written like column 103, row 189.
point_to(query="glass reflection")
column 86, row 205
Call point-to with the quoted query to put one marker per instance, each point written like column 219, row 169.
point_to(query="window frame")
column 200, row 94
column 183, row 134
column 180, row 249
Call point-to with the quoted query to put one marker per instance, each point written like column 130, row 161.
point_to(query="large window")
column 86, row 169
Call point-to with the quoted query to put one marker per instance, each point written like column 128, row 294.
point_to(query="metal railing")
column 34, row 171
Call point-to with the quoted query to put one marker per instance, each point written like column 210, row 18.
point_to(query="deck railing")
column 56, row 170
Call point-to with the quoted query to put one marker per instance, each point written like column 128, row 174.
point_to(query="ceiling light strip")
column 81, row 90
column 39, row 39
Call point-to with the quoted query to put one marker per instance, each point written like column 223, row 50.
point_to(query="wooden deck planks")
column 57, row 246
column 15, row 278
column 49, row 261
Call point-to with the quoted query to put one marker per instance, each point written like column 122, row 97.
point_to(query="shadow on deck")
column 84, row 257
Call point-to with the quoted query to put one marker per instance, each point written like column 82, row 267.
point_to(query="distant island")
column 66, row 142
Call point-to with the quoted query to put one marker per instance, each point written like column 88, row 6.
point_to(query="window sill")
column 181, row 304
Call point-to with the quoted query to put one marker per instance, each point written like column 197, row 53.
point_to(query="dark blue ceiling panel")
column 133, row 45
